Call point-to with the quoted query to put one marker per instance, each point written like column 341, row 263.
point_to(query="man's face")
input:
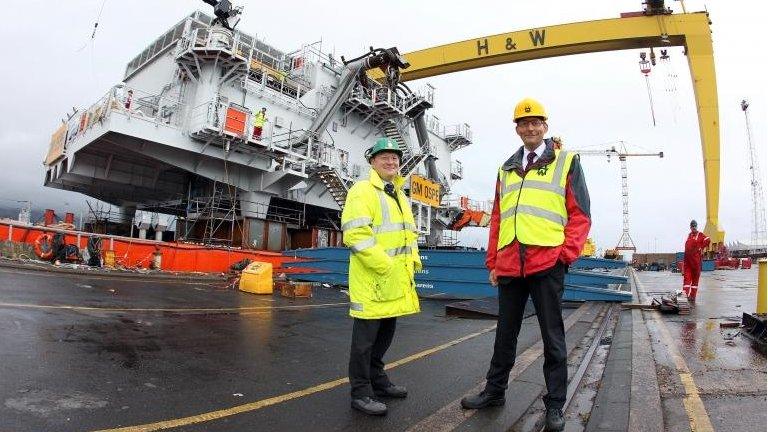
column 531, row 130
column 694, row 228
column 386, row 164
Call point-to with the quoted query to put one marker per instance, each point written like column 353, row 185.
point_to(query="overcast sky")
column 50, row 65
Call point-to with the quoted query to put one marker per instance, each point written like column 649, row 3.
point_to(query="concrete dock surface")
column 87, row 352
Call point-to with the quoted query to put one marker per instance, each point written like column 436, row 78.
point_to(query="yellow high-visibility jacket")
column 384, row 254
column 259, row 119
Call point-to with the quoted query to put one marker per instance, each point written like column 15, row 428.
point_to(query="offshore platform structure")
column 175, row 137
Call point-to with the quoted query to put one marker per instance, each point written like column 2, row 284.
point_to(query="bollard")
column 49, row 217
column 157, row 259
column 761, row 300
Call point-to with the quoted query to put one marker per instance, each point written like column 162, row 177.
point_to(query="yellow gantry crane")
column 656, row 26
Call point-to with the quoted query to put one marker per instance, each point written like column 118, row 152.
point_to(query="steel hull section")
column 452, row 275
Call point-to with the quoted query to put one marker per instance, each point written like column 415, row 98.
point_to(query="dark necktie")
column 531, row 156
column 389, row 189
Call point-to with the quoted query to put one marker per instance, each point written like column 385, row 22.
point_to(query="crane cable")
column 95, row 27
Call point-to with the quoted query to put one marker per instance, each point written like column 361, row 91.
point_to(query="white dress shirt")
column 539, row 151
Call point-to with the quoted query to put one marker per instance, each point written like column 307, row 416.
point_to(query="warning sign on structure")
column 425, row 191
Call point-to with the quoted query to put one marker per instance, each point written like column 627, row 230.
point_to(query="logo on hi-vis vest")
column 543, row 170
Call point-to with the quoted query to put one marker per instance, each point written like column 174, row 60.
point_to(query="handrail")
column 128, row 101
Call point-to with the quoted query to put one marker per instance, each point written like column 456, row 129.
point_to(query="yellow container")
column 257, row 278
column 761, row 282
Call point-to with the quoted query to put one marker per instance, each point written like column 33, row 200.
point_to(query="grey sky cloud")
column 594, row 100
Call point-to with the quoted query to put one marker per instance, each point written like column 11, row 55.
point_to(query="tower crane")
column 758, row 199
column 625, row 241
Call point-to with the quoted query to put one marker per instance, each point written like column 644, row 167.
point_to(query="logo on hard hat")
column 527, row 108
column 389, row 144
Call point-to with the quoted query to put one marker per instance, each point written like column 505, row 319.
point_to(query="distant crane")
column 758, row 199
column 625, row 242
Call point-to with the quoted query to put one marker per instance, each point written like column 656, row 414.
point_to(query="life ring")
column 44, row 246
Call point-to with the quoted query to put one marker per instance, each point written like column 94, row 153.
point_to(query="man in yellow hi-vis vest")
column 258, row 122
column 539, row 224
column 379, row 229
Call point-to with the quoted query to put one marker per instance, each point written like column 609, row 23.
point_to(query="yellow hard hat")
column 529, row 108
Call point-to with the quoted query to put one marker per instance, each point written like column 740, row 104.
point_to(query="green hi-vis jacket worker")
column 380, row 232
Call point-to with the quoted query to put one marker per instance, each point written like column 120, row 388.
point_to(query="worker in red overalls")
column 694, row 245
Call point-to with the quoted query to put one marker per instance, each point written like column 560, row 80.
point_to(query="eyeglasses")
column 387, row 157
column 532, row 122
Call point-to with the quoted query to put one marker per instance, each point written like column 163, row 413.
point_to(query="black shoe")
column 482, row 400
column 369, row 406
column 555, row 420
column 393, row 391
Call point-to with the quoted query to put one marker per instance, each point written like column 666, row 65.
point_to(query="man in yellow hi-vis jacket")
column 380, row 232
column 258, row 122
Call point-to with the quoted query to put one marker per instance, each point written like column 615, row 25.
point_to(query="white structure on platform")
column 177, row 137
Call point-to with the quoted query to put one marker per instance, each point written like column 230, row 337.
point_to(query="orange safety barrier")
column 133, row 253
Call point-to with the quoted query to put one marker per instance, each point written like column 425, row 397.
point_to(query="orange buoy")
column 44, row 246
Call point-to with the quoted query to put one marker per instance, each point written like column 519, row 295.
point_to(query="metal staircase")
column 411, row 163
column 393, row 132
column 337, row 186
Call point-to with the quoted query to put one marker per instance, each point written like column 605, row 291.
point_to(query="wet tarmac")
column 87, row 353
column 729, row 374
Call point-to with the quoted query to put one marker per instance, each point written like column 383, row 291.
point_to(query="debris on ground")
column 674, row 303
column 730, row 324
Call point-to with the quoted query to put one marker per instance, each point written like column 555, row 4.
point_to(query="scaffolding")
column 217, row 214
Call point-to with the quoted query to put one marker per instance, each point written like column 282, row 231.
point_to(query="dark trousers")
column 546, row 290
column 370, row 340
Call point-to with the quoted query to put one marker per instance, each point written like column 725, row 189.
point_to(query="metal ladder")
column 337, row 186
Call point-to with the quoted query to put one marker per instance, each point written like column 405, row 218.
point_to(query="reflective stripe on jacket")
column 384, row 254
column 533, row 207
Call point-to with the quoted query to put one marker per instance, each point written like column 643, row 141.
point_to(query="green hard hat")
column 383, row 144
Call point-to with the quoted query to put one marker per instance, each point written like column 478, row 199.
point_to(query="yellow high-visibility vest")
column 382, row 238
column 259, row 119
column 532, row 208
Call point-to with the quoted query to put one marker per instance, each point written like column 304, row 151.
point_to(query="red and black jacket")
column 520, row 260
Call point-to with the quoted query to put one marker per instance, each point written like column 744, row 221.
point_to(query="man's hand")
column 492, row 278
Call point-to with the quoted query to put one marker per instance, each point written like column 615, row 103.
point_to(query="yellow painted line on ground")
column 253, row 406
column 452, row 415
column 210, row 310
column 694, row 406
